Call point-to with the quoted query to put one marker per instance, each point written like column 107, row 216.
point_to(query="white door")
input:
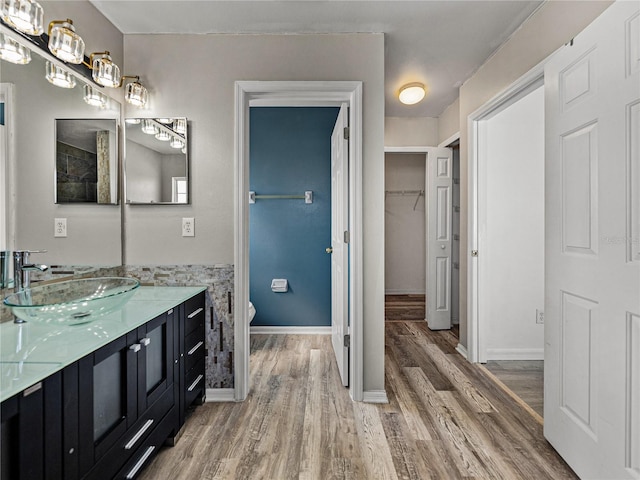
column 439, row 236
column 339, row 248
column 592, row 248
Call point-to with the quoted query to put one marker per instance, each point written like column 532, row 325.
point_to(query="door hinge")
column 474, row 253
column 346, row 236
column 346, row 133
column 347, row 340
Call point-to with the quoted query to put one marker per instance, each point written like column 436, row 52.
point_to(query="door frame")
column 476, row 269
column 290, row 94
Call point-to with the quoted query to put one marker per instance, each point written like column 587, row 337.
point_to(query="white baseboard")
column 404, row 292
column 375, row 396
column 515, row 354
column 220, row 395
column 462, row 350
column 265, row 330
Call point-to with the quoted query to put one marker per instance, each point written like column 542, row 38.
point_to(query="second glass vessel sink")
column 72, row 302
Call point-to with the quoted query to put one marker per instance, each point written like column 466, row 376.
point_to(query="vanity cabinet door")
column 108, row 397
column 29, row 432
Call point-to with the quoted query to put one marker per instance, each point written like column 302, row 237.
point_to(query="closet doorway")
column 421, row 236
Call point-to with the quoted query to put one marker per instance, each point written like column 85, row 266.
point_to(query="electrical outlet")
column 539, row 316
column 188, row 227
column 59, row 227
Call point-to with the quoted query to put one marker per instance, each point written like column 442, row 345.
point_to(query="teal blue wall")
column 291, row 152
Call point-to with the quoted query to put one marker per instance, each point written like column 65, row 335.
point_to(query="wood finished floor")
column 525, row 378
column 446, row 419
column 404, row 307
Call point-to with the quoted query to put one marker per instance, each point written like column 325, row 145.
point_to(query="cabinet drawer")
column 194, row 313
column 194, row 385
column 149, row 447
column 113, row 460
column 193, row 338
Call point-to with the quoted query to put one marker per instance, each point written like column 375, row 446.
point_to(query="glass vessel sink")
column 72, row 302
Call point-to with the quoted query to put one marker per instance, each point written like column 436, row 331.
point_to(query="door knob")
column 329, row 249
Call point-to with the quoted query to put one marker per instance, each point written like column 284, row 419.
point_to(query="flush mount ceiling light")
column 12, row 51
column 149, row 127
column 59, row 77
column 163, row 136
column 64, row 42
column 94, row 97
column 103, row 71
column 24, row 15
column 180, row 126
column 412, row 93
column 135, row 93
column 176, row 143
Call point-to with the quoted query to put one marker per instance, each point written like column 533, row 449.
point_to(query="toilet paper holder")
column 279, row 285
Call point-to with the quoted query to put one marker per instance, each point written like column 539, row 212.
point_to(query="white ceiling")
column 438, row 43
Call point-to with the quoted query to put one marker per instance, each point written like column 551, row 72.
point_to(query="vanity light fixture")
column 64, row 42
column 184, row 150
column 180, row 126
column 163, row 136
column 94, row 97
column 412, row 93
column 135, row 93
column 24, row 15
column 132, row 121
column 176, row 143
column 12, row 51
column 103, row 71
column 149, row 127
column 59, row 77
column 166, row 121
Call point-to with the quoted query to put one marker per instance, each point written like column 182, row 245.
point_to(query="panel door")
column 339, row 248
column 592, row 267
column 439, row 237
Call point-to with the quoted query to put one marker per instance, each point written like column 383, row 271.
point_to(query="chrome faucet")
column 22, row 268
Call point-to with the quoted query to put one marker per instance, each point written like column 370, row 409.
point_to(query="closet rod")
column 403, row 193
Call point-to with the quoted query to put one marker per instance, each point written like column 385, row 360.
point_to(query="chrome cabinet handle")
column 193, row 314
column 147, row 453
column 196, row 347
column 195, row 382
column 138, row 434
column 145, row 341
column 135, row 347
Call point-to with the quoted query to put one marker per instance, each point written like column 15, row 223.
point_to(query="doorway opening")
column 299, row 94
column 506, row 318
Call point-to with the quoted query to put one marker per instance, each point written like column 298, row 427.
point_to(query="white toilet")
column 252, row 312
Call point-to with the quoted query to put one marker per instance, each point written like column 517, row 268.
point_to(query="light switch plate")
column 59, row 227
column 188, row 227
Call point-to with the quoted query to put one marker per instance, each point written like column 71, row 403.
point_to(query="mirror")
column 156, row 161
column 31, row 104
column 86, row 161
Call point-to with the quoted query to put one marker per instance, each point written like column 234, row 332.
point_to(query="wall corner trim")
column 462, row 350
column 375, row 396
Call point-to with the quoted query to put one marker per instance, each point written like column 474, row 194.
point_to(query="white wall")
column 193, row 76
column 410, row 131
column 405, row 227
column 514, row 237
column 144, row 176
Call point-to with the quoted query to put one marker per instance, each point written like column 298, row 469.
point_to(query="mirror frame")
column 127, row 162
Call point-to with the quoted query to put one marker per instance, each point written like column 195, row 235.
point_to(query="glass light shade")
column 412, row 93
column 184, row 149
column 65, row 43
column 94, row 97
column 166, row 121
column 25, row 15
column 136, row 94
column 13, row 52
column 176, row 143
column 104, row 71
column 149, row 127
column 163, row 136
column 132, row 121
column 59, row 77
column 180, row 126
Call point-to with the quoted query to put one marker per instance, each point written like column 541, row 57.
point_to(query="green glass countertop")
column 30, row 352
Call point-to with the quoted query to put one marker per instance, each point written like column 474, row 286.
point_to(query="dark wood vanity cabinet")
column 104, row 416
